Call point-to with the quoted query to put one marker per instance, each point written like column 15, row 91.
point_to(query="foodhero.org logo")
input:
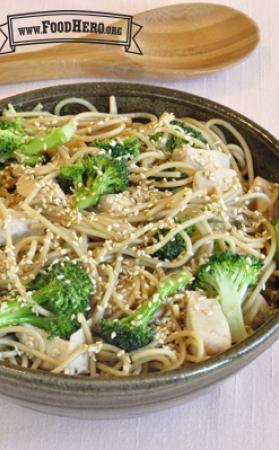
column 69, row 26
column 74, row 26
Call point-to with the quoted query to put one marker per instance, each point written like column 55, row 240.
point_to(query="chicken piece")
column 17, row 224
column 45, row 169
column 258, row 313
column 199, row 159
column 50, row 191
column 210, row 181
column 55, row 348
column 16, row 170
column 25, row 184
column 116, row 202
column 272, row 191
column 59, row 349
column 205, row 317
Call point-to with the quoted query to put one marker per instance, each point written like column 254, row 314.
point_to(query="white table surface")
column 242, row 412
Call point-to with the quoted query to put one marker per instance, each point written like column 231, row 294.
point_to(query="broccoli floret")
column 133, row 332
column 173, row 142
column 228, row 276
column 173, row 248
column 66, row 284
column 63, row 291
column 190, row 229
column 127, row 147
column 14, row 143
column 167, row 142
column 32, row 151
column 275, row 224
column 101, row 175
column 12, row 136
column 72, row 176
column 12, row 125
column 190, row 131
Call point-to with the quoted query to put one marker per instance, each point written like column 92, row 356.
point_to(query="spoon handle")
column 62, row 61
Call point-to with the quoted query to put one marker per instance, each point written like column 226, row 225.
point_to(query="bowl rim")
column 263, row 336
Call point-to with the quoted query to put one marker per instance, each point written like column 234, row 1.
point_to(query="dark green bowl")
column 103, row 398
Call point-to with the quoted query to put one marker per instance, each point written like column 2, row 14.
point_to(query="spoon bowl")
column 177, row 42
column 195, row 38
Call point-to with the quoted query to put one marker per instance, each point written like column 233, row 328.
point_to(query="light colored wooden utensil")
column 177, row 42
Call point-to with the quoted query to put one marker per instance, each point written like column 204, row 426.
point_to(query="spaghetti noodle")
column 178, row 174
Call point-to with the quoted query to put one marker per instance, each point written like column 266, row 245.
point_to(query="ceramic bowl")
column 105, row 398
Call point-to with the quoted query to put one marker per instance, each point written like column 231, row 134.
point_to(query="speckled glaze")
column 103, row 398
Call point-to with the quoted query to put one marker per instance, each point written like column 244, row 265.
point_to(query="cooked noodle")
column 116, row 246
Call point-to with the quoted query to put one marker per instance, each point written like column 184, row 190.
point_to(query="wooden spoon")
column 177, row 42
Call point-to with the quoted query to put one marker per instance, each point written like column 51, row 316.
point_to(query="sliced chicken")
column 199, row 159
column 205, row 317
column 17, row 224
column 60, row 349
column 81, row 363
column 45, row 169
column 55, row 348
column 258, row 313
column 16, row 170
column 116, row 202
column 50, row 191
column 25, row 184
column 272, row 191
column 210, row 181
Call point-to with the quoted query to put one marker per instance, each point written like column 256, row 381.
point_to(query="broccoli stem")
column 45, row 293
column 15, row 313
column 37, row 321
column 133, row 331
column 11, row 316
column 56, row 137
column 172, row 284
column 88, row 197
column 24, row 316
column 231, row 303
column 168, row 287
column 144, row 313
column 228, row 275
column 236, row 324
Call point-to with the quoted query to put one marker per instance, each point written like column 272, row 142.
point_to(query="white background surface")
column 241, row 413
